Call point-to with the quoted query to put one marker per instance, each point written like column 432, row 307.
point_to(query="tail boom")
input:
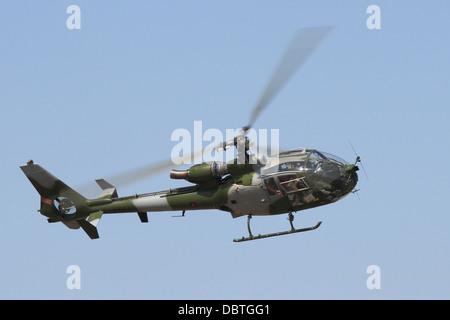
column 60, row 203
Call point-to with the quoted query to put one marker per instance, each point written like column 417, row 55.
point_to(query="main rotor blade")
column 300, row 48
column 125, row 178
column 128, row 177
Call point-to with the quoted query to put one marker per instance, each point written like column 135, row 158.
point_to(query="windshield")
column 334, row 158
column 294, row 160
column 315, row 154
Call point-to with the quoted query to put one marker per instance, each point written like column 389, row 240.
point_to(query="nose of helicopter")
column 350, row 170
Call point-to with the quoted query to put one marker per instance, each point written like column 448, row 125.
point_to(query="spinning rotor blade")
column 302, row 45
column 300, row 48
column 135, row 175
column 126, row 178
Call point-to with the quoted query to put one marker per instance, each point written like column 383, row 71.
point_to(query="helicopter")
column 249, row 185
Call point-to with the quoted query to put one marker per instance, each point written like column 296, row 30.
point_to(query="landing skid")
column 275, row 234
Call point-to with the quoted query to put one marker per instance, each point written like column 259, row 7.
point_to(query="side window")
column 271, row 186
column 291, row 183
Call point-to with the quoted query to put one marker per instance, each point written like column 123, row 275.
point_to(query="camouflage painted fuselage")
column 296, row 180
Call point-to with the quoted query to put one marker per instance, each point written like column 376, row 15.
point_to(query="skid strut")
column 262, row 236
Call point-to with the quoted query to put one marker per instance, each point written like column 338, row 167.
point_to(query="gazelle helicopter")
column 250, row 185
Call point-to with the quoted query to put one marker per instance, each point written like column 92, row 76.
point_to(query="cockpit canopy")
column 299, row 160
column 307, row 175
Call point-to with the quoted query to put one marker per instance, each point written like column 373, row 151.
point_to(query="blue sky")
column 92, row 102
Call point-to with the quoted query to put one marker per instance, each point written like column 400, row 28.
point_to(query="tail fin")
column 59, row 202
column 47, row 184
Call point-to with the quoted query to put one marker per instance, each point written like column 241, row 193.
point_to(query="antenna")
column 358, row 159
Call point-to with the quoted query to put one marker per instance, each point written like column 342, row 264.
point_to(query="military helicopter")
column 249, row 185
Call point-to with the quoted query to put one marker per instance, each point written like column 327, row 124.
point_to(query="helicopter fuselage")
column 296, row 180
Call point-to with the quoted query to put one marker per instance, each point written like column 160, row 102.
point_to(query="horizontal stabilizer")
column 107, row 189
column 89, row 229
column 90, row 225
